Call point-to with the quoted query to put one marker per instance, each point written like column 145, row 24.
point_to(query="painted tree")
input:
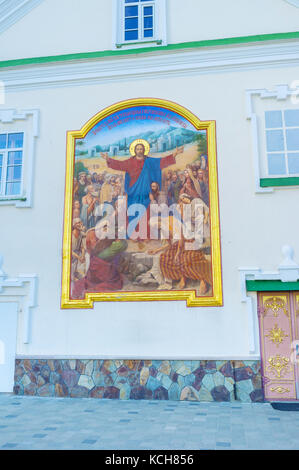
column 79, row 167
column 202, row 147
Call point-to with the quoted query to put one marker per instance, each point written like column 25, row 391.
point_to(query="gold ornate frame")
column 189, row 296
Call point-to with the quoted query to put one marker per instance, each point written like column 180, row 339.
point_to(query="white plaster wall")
column 253, row 226
column 8, row 328
column 67, row 26
column 195, row 20
column 60, row 27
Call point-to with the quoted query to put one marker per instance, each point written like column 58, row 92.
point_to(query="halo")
column 140, row 141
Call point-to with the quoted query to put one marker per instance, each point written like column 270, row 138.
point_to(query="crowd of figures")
column 92, row 190
column 193, row 181
column 96, row 262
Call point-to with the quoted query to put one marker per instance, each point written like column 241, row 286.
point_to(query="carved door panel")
column 295, row 305
column 295, row 319
column 277, row 335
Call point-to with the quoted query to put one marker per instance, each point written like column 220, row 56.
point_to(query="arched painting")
column 141, row 207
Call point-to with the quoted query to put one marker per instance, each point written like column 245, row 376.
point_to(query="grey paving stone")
column 53, row 423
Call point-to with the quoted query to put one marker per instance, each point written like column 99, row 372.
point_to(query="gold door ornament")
column 280, row 390
column 278, row 365
column 276, row 335
column 275, row 304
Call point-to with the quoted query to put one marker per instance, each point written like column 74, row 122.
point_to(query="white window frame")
column 4, row 166
column 12, row 121
column 285, row 151
column 280, row 94
column 159, row 26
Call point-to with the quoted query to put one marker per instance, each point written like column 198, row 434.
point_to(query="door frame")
column 281, row 305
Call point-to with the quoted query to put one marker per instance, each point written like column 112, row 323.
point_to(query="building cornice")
column 155, row 65
column 148, row 50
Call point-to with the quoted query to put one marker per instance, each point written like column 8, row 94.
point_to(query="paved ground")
column 83, row 423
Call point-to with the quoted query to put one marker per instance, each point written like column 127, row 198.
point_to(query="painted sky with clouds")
column 102, row 135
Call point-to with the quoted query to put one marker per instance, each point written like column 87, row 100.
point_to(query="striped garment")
column 191, row 264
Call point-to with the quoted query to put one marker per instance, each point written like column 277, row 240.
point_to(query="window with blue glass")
column 282, row 142
column 11, row 164
column 139, row 20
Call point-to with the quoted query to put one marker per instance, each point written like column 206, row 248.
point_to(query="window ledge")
column 287, row 181
column 158, row 42
column 12, row 198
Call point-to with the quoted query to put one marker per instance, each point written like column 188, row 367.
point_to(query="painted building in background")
column 233, row 63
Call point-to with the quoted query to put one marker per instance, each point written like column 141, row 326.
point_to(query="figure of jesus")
column 141, row 171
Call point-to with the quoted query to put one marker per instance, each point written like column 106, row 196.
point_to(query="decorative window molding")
column 279, row 104
column 286, row 278
column 13, row 11
column 22, row 289
column 139, row 23
column 13, row 122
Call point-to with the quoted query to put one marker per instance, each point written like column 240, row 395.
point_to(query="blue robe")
column 141, row 189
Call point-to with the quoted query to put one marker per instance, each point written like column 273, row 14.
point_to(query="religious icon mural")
column 141, row 207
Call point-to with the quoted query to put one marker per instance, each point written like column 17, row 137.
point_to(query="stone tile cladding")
column 204, row 381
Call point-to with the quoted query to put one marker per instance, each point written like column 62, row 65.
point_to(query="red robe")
column 102, row 276
column 133, row 166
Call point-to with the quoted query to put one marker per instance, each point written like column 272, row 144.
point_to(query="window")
column 141, row 21
column 18, row 133
column 11, row 163
column 274, row 117
column 282, row 141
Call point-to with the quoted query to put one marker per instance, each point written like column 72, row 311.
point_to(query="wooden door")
column 278, row 331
